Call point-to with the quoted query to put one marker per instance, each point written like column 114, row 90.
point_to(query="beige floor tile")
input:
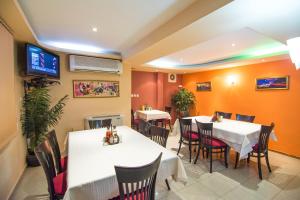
column 197, row 191
column 261, row 188
column 291, row 191
column 241, row 194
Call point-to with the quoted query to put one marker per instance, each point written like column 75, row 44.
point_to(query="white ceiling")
column 120, row 23
column 249, row 24
column 237, row 43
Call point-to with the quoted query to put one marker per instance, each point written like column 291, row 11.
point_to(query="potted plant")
column 182, row 101
column 37, row 116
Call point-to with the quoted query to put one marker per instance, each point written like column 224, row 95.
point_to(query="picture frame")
column 95, row 89
column 272, row 83
column 203, row 86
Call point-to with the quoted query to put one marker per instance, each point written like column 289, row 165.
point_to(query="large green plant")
column 38, row 116
column 183, row 100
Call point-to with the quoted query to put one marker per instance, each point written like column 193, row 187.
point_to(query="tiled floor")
column 242, row 183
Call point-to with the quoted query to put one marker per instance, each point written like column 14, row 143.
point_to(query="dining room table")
column 148, row 115
column 91, row 173
column 239, row 135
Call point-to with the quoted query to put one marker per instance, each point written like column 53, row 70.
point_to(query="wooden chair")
column 134, row 122
column 57, row 183
column 61, row 163
column 137, row 183
column 224, row 114
column 187, row 136
column 261, row 148
column 143, row 127
column 245, row 118
column 165, row 122
column 209, row 143
column 160, row 136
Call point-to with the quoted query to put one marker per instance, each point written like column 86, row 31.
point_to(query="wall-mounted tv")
column 40, row 62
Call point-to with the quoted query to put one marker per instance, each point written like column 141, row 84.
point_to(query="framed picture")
column 95, row 88
column 272, row 83
column 204, row 86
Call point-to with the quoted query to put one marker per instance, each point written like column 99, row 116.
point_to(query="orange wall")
column 279, row 106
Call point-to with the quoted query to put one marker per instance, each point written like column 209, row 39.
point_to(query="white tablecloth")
column 91, row 174
column 152, row 114
column 241, row 136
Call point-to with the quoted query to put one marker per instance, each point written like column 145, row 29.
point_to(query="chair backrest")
column 132, row 117
column 264, row 135
column 44, row 155
column 143, row 127
column 105, row 123
column 168, row 109
column 245, row 118
column 138, row 182
column 205, row 131
column 185, row 127
column 159, row 135
column 52, row 139
column 224, row 114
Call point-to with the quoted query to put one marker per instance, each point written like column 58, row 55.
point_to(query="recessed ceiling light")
column 233, row 44
column 263, row 60
column 95, row 29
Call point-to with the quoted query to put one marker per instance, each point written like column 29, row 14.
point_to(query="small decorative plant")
column 182, row 101
column 38, row 116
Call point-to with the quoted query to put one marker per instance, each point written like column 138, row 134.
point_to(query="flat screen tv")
column 40, row 62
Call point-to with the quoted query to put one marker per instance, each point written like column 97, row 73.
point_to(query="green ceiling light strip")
column 268, row 51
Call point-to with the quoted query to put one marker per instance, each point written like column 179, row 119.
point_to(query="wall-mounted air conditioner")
column 95, row 64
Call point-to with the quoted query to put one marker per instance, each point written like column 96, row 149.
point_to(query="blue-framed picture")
column 272, row 83
column 204, row 86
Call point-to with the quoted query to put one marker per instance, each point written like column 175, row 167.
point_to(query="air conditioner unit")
column 95, row 64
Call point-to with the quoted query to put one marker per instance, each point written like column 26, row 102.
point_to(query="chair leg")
column 210, row 160
column 190, row 149
column 167, row 183
column 236, row 160
column 170, row 126
column 267, row 161
column 179, row 147
column 225, row 155
column 199, row 148
column 259, row 166
column 248, row 158
column 203, row 149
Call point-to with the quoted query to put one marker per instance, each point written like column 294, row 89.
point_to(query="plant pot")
column 32, row 160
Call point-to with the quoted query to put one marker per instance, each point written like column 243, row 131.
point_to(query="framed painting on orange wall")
column 204, row 86
column 272, row 83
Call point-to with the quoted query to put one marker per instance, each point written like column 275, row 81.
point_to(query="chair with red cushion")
column 225, row 115
column 61, row 163
column 137, row 183
column 244, row 118
column 209, row 143
column 134, row 122
column 57, row 183
column 160, row 136
column 144, row 127
column 165, row 122
column 187, row 136
column 261, row 148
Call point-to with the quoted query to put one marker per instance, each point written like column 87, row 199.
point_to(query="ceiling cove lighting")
column 76, row 47
column 95, row 29
column 294, row 50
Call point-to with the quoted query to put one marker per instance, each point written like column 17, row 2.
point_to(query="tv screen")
column 41, row 62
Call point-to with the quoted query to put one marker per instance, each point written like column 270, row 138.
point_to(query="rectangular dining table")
column 239, row 135
column 152, row 114
column 91, row 174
